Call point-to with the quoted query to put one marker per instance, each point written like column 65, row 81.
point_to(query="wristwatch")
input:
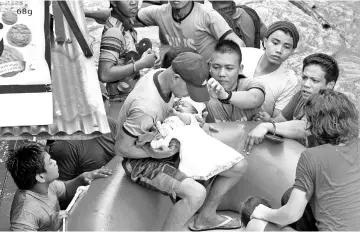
column 226, row 101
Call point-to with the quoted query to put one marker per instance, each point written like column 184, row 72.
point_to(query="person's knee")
column 240, row 168
column 192, row 192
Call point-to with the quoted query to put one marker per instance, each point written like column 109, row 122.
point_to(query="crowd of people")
column 231, row 66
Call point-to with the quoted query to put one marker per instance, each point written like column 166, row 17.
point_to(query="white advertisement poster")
column 25, row 83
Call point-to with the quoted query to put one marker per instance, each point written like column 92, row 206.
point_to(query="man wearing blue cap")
column 158, row 169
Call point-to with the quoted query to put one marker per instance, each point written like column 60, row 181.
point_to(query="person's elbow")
column 232, row 36
column 256, row 100
column 104, row 73
column 301, row 129
column 293, row 216
column 290, row 215
column 122, row 149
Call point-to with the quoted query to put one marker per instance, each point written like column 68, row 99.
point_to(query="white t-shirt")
column 280, row 85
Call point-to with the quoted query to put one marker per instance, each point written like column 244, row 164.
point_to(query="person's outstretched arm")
column 84, row 179
column 295, row 129
column 248, row 99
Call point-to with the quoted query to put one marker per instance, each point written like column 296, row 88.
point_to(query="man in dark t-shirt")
column 327, row 176
column 77, row 156
column 320, row 71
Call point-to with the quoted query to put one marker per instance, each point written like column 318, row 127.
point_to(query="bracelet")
column 134, row 67
column 274, row 126
column 226, row 101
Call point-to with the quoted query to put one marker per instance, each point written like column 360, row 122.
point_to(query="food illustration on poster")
column 24, row 72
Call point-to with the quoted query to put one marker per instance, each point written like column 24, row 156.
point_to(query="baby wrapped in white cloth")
column 201, row 155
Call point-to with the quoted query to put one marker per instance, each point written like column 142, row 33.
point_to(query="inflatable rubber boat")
column 116, row 203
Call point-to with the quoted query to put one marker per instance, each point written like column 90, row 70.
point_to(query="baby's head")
column 247, row 207
column 187, row 105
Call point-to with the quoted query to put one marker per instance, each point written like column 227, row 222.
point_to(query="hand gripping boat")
column 116, row 203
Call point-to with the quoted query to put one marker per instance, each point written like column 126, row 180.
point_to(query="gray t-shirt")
column 32, row 211
column 330, row 176
column 201, row 29
column 144, row 106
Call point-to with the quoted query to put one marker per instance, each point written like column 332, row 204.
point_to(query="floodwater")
column 343, row 42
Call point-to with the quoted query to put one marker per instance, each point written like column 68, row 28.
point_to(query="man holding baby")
column 158, row 169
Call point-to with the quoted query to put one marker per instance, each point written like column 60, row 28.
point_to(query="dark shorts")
column 161, row 175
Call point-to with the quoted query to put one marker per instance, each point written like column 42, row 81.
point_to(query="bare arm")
column 265, row 117
column 72, row 185
column 110, row 72
column 250, row 99
column 294, row 129
column 287, row 214
column 232, row 36
column 126, row 145
column 84, row 179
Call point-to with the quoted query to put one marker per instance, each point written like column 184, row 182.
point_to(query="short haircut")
column 228, row 46
column 327, row 63
column 248, row 206
column 24, row 163
column 332, row 117
column 172, row 53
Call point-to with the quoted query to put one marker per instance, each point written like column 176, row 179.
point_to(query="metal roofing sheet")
column 78, row 109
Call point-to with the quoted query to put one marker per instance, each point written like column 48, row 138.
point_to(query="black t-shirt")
column 330, row 177
column 77, row 156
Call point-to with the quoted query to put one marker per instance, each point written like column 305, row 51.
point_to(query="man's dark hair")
column 248, row 206
column 228, row 46
column 332, row 117
column 24, row 163
column 327, row 63
column 172, row 53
